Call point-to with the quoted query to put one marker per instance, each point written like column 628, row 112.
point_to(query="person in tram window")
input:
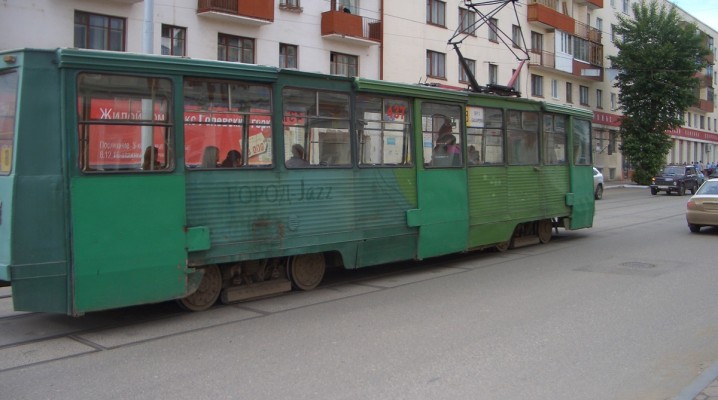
column 233, row 160
column 210, row 157
column 446, row 152
column 474, row 155
column 297, row 160
column 150, row 160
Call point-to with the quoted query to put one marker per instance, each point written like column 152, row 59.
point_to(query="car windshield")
column 710, row 187
column 674, row 171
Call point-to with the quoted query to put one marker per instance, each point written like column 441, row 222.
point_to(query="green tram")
column 128, row 179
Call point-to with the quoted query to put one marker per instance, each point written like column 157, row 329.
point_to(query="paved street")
column 625, row 310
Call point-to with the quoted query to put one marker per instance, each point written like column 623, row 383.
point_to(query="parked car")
column 597, row 184
column 676, row 178
column 702, row 208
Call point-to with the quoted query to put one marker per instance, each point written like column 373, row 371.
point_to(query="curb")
column 625, row 185
column 699, row 384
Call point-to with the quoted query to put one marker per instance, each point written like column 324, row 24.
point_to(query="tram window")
column 484, row 136
column 441, row 133
column 554, row 139
column 227, row 124
column 522, row 137
column 316, row 128
column 582, row 142
column 8, row 109
column 124, row 123
column 384, row 131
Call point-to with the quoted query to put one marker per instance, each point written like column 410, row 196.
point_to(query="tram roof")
column 124, row 61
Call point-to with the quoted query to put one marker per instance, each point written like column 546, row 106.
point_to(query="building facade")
column 550, row 50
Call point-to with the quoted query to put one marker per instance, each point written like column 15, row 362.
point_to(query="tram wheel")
column 306, row 270
column 207, row 293
column 503, row 246
column 544, row 230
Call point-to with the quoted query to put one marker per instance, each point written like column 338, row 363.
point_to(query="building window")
column 599, row 24
column 614, row 102
column 516, row 38
column 463, row 76
column 569, row 92
column 99, row 32
column 436, row 12
column 290, row 5
column 703, row 122
column 288, row 55
column 536, row 85
column 235, row 49
column 174, row 41
column 565, row 43
column 599, row 98
column 467, row 19
column 435, row 64
column 493, row 28
column 625, row 6
column 583, row 95
column 493, row 74
column 689, row 119
column 347, row 6
column 580, row 49
column 517, row 82
column 536, row 42
column 554, row 88
column 344, row 64
column 613, row 3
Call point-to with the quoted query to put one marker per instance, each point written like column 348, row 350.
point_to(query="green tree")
column 658, row 57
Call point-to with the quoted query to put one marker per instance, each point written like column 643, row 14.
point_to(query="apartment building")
column 558, row 47
column 331, row 37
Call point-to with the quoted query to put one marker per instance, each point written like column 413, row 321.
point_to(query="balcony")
column 539, row 11
column 351, row 28
column 250, row 12
column 705, row 80
column 565, row 63
column 542, row 59
column 587, row 32
column 710, row 58
column 706, row 105
column 592, row 4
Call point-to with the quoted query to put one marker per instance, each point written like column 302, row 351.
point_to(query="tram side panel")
column 34, row 242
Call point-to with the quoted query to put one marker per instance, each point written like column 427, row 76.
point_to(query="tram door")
column 442, row 214
column 582, row 176
column 126, row 194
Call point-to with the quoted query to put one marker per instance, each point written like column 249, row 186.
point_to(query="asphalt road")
column 624, row 310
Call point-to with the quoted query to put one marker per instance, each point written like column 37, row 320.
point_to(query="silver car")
column 702, row 208
column 597, row 184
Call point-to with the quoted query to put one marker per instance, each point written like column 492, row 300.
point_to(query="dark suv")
column 676, row 178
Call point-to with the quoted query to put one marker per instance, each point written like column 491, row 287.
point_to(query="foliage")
column 659, row 55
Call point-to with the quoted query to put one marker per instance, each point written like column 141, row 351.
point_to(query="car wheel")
column 654, row 191
column 598, row 194
column 682, row 190
column 694, row 188
column 694, row 228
